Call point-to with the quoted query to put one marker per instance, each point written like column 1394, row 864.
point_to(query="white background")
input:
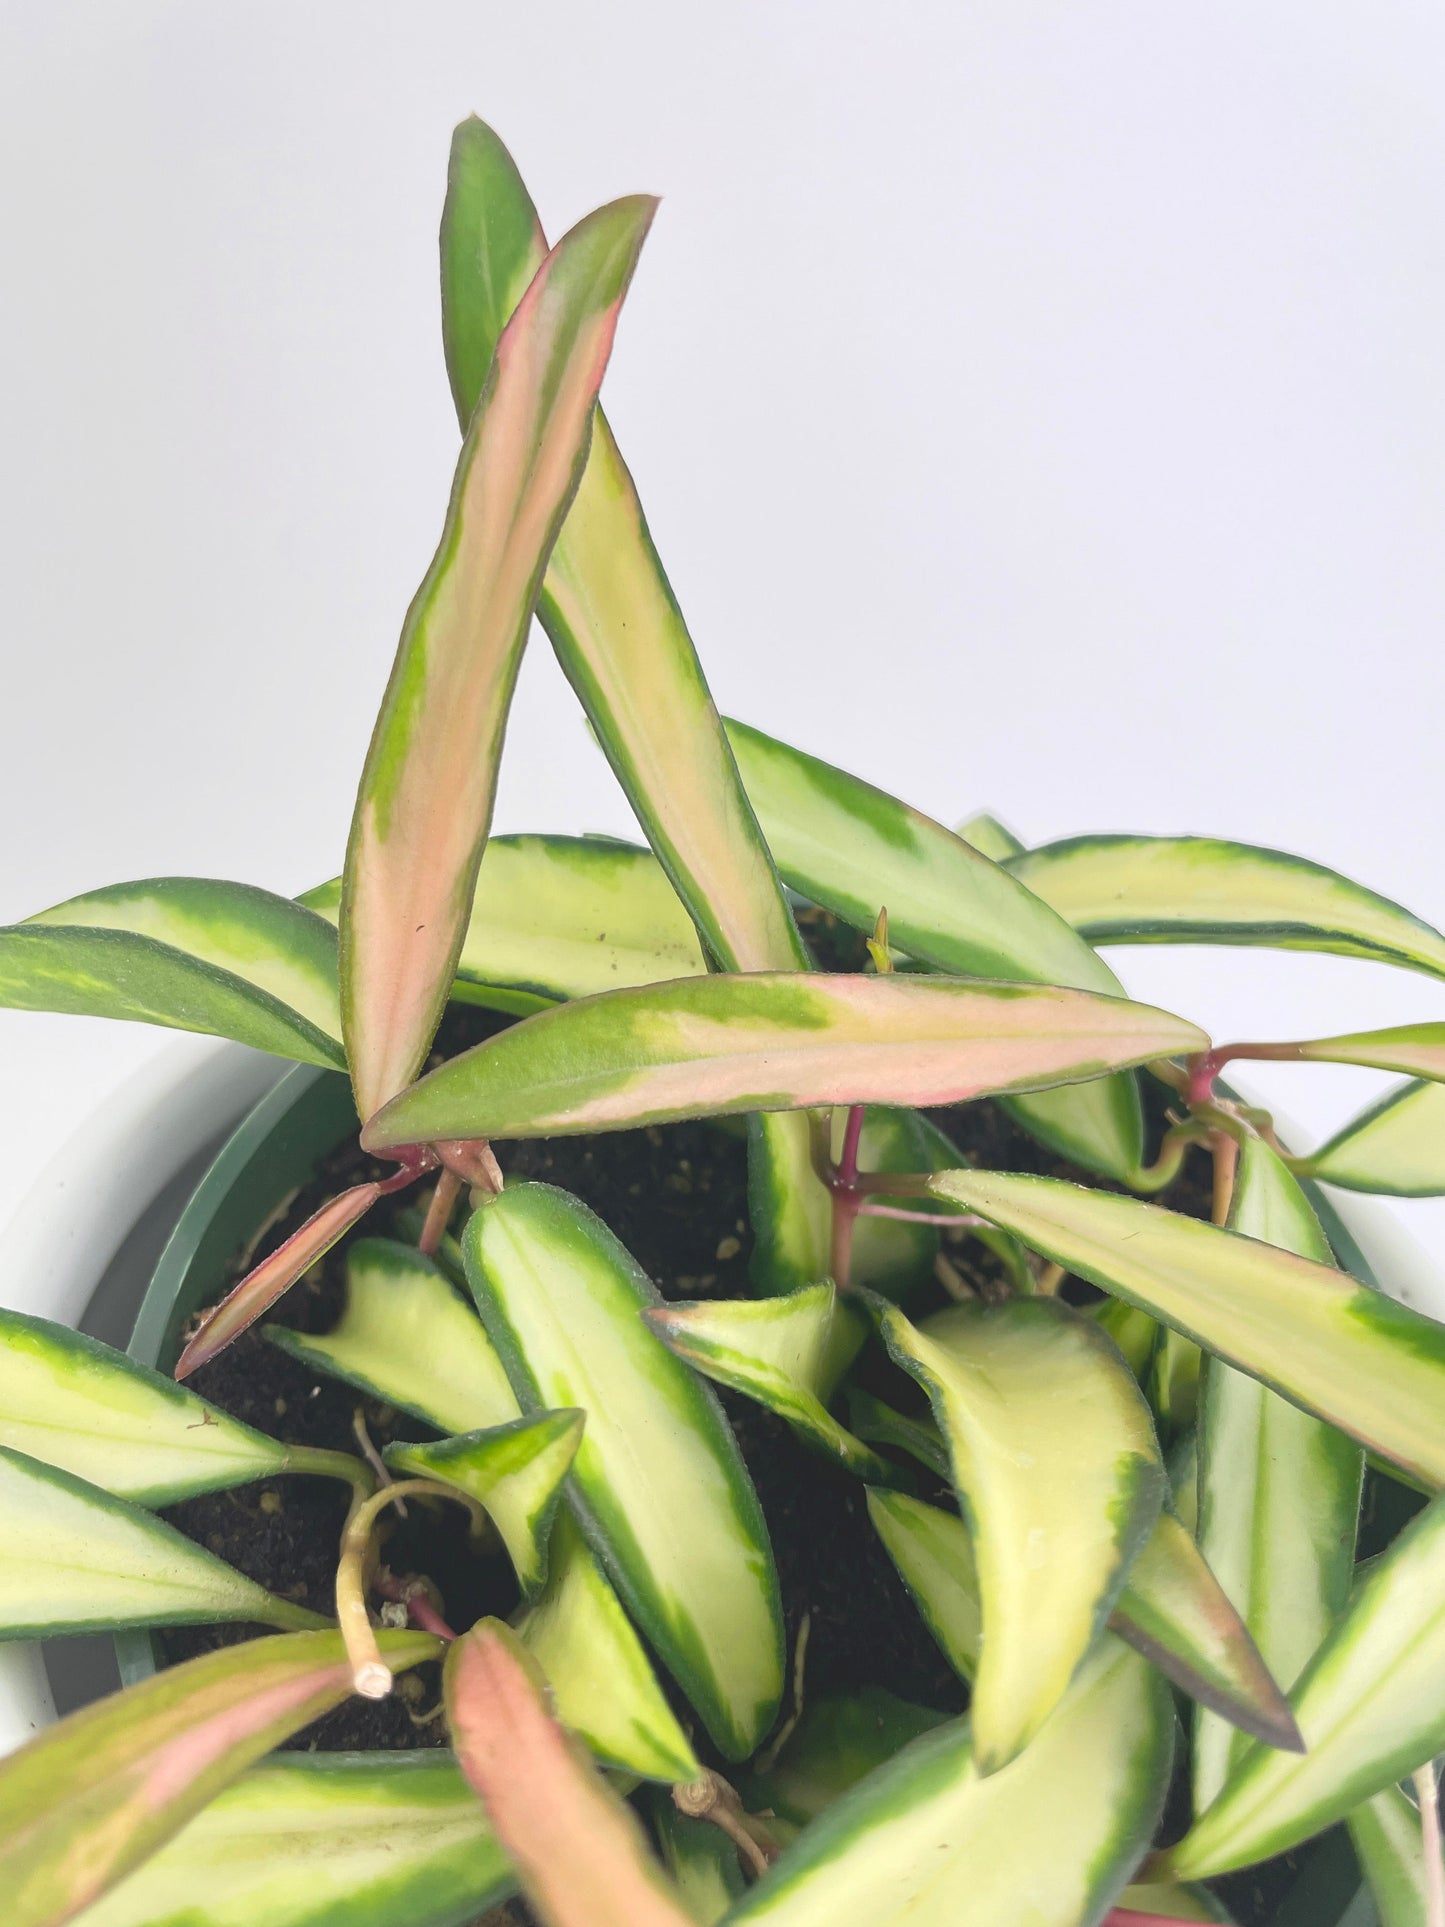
column 1038, row 405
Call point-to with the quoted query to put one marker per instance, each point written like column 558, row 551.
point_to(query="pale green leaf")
column 78, row 1559
column 317, row 1839
column 925, row 1841
column 189, row 953
column 602, row 1680
column 407, row 1338
column 658, row 1484
column 1388, row 1841
column 514, row 1471
column 1200, row 889
column 1370, row 1366
column 990, row 838
column 1057, row 1470
column 1279, row 1492
column 1396, row 1147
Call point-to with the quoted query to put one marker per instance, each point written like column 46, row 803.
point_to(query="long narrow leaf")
column 316, row 1839
column 602, row 1681
column 96, row 1795
column 1371, row 1706
column 1417, row 1050
column 426, row 794
column 189, row 953
column 1370, row 1366
column 406, row 1337
column 1396, row 1147
column 658, row 1484
column 1389, row 1844
column 926, row 1842
column 714, row 1045
column 579, row 1851
column 1057, row 1470
column 1279, row 1491
column 78, row 1559
column 620, row 637
column 990, row 837
column 857, row 850
column 70, row 1401
column 1199, row 889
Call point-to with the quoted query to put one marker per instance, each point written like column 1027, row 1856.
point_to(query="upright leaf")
column 189, row 953
column 70, row 1401
column 990, row 838
column 925, row 1841
column 658, row 1484
column 96, row 1795
column 1371, row 1367
column 1396, row 1147
column 1389, row 1844
column 856, row 850
column 80, row 1560
column 1057, row 1471
column 714, row 1045
column 620, row 637
column 407, row 1338
column 425, row 801
column 1279, row 1492
column 578, row 1849
column 602, row 1681
column 1371, row 1707
column 1201, row 889
column 315, row 1839
column 515, row 1471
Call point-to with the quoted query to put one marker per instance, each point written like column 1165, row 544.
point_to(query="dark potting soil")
column 676, row 1198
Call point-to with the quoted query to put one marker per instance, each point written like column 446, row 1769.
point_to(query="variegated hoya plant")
column 1128, row 1618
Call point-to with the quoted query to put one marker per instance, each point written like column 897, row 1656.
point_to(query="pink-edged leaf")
column 773, row 1042
column 99, row 1793
column 576, row 1848
column 275, row 1275
column 425, row 802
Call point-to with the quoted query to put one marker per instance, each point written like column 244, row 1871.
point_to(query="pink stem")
column 439, row 1214
column 852, row 1137
column 1126, row 1917
column 425, row 1615
column 846, row 1200
column 968, row 1219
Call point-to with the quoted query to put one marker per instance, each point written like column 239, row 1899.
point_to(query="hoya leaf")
column 515, row 1471
column 701, row 1859
column 926, row 1841
column 990, row 838
column 619, row 635
column 189, row 953
column 554, row 917
column 1166, row 1901
column 777, row 1351
column 407, row 1338
column 839, row 1740
column 70, row 1401
column 857, row 850
column 1172, row 1610
column 1173, row 1382
column 1201, row 889
column 602, row 1681
column 1370, row 1366
column 1057, row 1470
column 312, row 1839
column 427, row 789
column 96, row 1795
column 658, row 1484
column 1416, row 1050
column 1279, row 1491
column 919, row 1437
column 78, row 1559
column 1396, row 1147
column 1133, row 1331
column 1371, row 1707
column 1386, row 1835
column 576, row 1846
column 719, row 1045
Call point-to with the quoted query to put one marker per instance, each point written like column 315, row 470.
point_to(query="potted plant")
column 972, row 1531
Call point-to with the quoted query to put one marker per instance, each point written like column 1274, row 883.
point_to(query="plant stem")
column 941, row 1221
column 370, row 1674
column 316, row 1462
column 712, row 1798
column 439, row 1213
column 1428, row 1794
column 846, row 1196
column 1048, row 1281
column 287, row 1617
column 1226, row 1163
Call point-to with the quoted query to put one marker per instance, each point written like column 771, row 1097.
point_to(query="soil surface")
column 676, row 1197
